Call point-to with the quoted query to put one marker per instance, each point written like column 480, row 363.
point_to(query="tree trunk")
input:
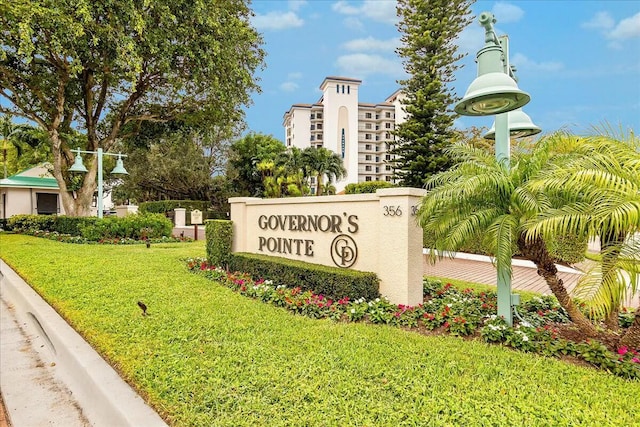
column 536, row 251
column 631, row 338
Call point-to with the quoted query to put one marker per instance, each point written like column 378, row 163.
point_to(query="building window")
column 377, row 159
column 387, row 125
column 367, row 136
column 367, row 125
column 342, row 88
column 377, row 148
column 387, row 157
column 387, row 135
column 348, row 90
column 313, row 138
column 387, row 115
column 377, row 138
column 319, row 137
column 387, row 167
column 46, row 203
column 367, row 168
column 367, row 157
column 377, row 169
column 367, row 147
column 319, row 115
column 367, row 115
column 337, row 88
column 313, row 116
column 313, row 127
column 367, row 178
column 388, row 178
column 319, row 126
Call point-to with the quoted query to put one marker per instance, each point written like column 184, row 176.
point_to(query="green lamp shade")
column 119, row 169
column 491, row 93
column 77, row 165
column 520, row 125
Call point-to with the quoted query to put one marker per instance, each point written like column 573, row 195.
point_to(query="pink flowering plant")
column 445, row 309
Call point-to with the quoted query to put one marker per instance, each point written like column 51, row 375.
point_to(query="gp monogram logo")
column 344, row 251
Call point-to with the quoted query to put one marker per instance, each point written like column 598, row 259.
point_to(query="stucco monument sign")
column 368, row 232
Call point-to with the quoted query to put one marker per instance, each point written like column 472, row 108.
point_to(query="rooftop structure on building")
column 359, row 132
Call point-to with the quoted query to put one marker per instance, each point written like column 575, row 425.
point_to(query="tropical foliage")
column 548, row 192
column 23, row 146
column 594, row 192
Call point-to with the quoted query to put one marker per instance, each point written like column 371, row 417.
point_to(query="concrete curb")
column 514, row 262
column 105, row 399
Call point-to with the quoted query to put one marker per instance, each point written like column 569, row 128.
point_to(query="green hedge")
column 219, row 238
column 332, row 282
column 140, row 226
column 367, row 187
column 61, row 224
column 167, row 207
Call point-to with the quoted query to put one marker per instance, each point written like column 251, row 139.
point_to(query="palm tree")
column 21, row 137
column 322, row 162
column 293, row 160
column 480, row 199
column 600, row 185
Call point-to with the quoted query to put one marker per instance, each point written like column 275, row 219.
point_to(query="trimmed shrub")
column 219, row 238
column 140, row 226
column 332, row 282
column 31, row 223
column 366, row 187
column 167, row 207
column 72, row 225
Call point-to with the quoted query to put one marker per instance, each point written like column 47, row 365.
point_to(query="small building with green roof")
column 32, row 191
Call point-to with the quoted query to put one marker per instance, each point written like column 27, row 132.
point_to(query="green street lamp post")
column 495, row 91
column 78, row 166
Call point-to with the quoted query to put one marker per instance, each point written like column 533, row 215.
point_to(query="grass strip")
column 208, row 356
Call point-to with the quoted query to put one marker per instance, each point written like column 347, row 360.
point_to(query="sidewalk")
column 480, row 270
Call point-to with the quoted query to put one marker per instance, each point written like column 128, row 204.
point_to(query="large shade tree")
column 104, row 67
column 430, row 56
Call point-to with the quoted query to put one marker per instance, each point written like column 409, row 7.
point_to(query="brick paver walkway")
column 524, row 278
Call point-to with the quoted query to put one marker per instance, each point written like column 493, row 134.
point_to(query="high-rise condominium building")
column 358, row 132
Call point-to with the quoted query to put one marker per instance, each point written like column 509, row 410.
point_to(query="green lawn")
column 209, row 357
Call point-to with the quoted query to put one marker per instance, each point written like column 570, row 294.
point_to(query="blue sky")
column 579, row 60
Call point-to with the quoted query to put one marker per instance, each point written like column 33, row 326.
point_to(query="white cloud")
column 523, row 63
column 289, row 86
column 296, row 4
column 372, row 44
column 471, row 39
column 360, row 65
column 506, row 12
column 627, row 28
column 277, row 21
column 377, row 10
column 600, row 21
column 354, row 23
column 345, row 8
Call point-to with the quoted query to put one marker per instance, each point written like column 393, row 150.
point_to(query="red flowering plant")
column 445, row 308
